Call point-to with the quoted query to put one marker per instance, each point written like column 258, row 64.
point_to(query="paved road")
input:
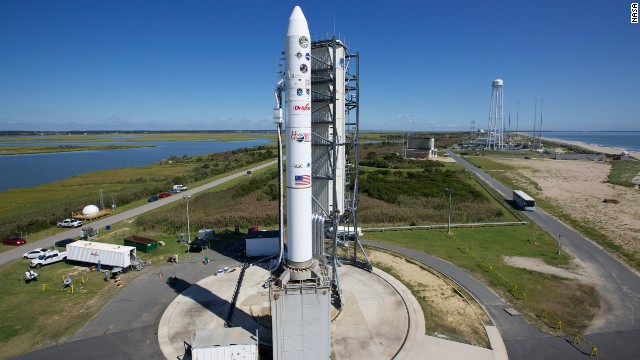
column 16, row 253
column 523, row 341
column 616, row 329
column 126, row 328
column 618, row 285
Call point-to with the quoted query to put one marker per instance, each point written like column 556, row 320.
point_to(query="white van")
column 178, row 188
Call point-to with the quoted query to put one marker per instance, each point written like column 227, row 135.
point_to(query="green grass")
column 490, row 244
column 34, row 211
column 141, row 137
column 21, row 150
column 623, row 172
column 32, row 318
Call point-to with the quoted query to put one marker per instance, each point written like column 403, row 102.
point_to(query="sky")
column 211, row 65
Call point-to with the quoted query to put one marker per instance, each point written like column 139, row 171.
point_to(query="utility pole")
column 449, row 190
column 187, row 197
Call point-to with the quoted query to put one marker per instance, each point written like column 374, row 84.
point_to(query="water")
column 628, row 140
column 36, row 169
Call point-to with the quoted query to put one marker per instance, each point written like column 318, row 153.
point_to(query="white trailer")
column 206, row 234
column 262, row 243
column 107, row 254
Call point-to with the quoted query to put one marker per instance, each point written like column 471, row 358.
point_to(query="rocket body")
column 298, row 139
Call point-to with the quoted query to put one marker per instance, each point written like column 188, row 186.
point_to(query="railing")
column 576, row 341
column 546, row 313
column 444, row 226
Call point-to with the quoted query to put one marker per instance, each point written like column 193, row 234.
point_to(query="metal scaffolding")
column 335, row 85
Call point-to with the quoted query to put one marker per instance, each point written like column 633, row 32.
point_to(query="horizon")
column 162, row 66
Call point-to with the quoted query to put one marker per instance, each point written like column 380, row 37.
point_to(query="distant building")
column 420, row 148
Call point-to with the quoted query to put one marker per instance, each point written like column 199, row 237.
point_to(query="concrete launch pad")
column 380, row 318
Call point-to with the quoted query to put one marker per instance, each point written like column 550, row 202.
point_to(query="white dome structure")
column 90, row 210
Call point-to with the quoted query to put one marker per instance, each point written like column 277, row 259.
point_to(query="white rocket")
column 297, row 50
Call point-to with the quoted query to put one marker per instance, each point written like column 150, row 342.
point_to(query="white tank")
column 90, row 210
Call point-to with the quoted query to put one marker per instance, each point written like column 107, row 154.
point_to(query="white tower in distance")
column 495, row 129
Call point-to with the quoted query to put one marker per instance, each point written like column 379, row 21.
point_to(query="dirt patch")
column 447, row 314
column 578, row 188
column 579, row 271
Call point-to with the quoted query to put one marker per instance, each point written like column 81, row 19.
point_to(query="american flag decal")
column 303, row 180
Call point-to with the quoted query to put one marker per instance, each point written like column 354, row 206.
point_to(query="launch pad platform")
column 380, row 318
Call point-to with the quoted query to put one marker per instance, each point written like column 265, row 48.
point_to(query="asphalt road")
column 126, row 327
column 616, row 329
column 129, row 331
column 617, row 284
column 16, row 253
column 523, row 341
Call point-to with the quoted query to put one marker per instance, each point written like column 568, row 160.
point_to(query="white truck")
column 178, row 188
column 107, row 254
column 70, row 223
column 47, row 258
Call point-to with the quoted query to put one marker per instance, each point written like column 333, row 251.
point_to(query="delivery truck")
column 108, row 254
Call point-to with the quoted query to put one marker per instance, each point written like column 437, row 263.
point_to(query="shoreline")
column 594, row 148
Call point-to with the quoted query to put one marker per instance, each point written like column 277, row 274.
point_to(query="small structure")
column 206, row 234
column 88, row 232
column 143, row 244
column 420, row 148
column 262, row 243
column 90, row 212
column 223, row 344
column 107, row 254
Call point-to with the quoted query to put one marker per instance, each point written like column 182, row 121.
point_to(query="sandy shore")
column 578, row 189
column 600, row 149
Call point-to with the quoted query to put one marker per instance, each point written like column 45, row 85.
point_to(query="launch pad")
column 374, row 320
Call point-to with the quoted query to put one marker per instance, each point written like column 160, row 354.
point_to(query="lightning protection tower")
column 495, row 128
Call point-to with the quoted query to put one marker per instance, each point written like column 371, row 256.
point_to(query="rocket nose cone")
column 297, row 22
column 296, row 14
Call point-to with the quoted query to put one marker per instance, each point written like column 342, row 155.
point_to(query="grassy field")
column 30, row 211
column 622, row 172
column 573, row 302
column 251, row 201
column 140, row 137
column 39, row 319
column 21, row 150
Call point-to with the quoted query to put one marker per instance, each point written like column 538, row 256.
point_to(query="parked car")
column 153, row 198
column 164, row 195
column 16, row 241
column 179, row 188
column 70, row 223
column 64, row 243
column 34, row 253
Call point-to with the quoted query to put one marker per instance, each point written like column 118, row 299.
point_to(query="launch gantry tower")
column 335, row 122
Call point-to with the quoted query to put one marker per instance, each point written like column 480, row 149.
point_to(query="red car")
column 14, row 241
column 164, row 195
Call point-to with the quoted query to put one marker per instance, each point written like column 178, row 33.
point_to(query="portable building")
column 107, row 254
column 206, row 234
column 224, row 344
column 262, row 243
